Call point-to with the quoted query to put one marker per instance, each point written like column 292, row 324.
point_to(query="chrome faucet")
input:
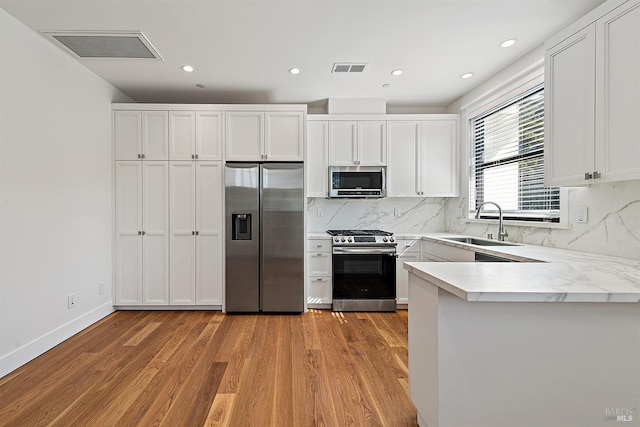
column 502, row 232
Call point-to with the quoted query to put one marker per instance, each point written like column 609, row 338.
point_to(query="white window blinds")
column 508, row 161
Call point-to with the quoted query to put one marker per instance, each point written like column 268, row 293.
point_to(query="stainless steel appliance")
column 357, row 181
column 264, row 237
column 364, row 270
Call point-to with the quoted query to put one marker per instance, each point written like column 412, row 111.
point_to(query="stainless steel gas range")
column 364, row 270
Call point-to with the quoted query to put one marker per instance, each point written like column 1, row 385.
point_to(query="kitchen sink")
column 477, row 241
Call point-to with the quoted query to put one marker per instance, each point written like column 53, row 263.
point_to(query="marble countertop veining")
column 560, row 276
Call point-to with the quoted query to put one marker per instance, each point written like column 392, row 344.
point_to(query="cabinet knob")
column 144, row 232
column 196, row 157
column 588, row 175
column 319, row 279
column 142, row 155
column 596, row 175
column 319, row 246
column 139, row 233
column 197, row 233
column 193, row 233
column 139, row 156
column 193, row 156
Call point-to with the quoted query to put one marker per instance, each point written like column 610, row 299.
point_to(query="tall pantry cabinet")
column 168, row 201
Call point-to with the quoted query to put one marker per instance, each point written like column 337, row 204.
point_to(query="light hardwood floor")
column 202, row 368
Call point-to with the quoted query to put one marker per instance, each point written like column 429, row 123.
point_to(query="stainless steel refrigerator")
column 264, row 237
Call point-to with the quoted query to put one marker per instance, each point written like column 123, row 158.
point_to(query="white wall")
column 613, row 226
column 55, row 194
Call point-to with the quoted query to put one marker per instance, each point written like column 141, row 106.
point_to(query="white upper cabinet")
column 423, row 158
column 284, row 135
column 404, row 138
column 195, row 135
column 353, row 143
column 591, row 101
column 618, row 92
column 141, row 135
column 317, row 158
column 264, row 136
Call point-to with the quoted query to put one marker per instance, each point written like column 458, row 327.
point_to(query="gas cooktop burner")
column 359, row 233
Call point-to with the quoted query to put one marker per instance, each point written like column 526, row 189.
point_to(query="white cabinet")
column 264, row 135
column 319, row 272
column 317, row 158
column 408, row 251
column 142, row 233
column 196, row 233
column 362, row 142
column 591, row 108
column 423, row 158
column 195, row 135
column 141, row 135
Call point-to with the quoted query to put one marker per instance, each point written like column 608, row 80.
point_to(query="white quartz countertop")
column 560, row 276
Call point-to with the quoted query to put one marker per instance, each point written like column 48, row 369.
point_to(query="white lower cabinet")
column 196, row 233
column 319, row 273
column 408, row 250
column 142, row 233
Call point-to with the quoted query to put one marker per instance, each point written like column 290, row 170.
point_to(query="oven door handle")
column 366, row 251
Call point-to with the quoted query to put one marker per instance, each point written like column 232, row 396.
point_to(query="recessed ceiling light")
column 386, row 85
column 396, row 72
column 200, row 86
column 508, row 43
column 187, row 68
column 294, row 70
column 466, row 75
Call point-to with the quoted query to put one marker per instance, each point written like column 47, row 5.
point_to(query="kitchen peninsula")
column 550, row 343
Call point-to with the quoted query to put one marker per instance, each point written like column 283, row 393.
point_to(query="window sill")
column 554, row 225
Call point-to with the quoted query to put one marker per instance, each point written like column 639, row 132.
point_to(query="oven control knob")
column 384, row 239
column 336, row 239
column 350, row 240
column 391, row 239
column 343, row 239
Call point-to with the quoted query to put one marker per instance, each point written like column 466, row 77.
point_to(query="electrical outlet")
column 458, row 212
column 101, row 288
column 71, row 301
column 397, row 213
column 583, row 215
column 319, row 212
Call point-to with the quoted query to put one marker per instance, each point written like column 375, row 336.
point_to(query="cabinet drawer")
column 319, row 264
column 319, row 290
column 317, row 245
column 446, row 252
column 408, row 246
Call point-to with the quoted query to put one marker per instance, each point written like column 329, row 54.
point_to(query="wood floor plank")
column 203, row 368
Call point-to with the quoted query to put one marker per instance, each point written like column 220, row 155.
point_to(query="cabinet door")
column 182, row 131
column 209, row 233
column 182, row 221
column 155, row 209
column 570, row 109
column 128, row 134
column 343, row 143
column 209, row 135
column 128, row 280
column 317, row 158
column 155, row 139
column 618, row 91
column 284, row 136
column 244, row 135
column 439, row 158
column 402, row 276
column 372, row 143
column 402, row 167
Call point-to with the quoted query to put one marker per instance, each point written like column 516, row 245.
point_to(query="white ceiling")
column 241, row 49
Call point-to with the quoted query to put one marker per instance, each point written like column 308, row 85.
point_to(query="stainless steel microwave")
column 357, row 182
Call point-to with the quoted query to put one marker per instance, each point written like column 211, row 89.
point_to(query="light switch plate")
column 583, row 213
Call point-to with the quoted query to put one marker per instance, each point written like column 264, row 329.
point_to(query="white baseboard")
column 18, row 357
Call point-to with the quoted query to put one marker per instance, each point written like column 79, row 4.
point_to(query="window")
column 508, row 161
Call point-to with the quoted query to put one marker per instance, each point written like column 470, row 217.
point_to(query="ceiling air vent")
column 349, row 67
column 105, row 44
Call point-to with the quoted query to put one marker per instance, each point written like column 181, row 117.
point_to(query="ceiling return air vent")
column 104, row 44
column 349, row 67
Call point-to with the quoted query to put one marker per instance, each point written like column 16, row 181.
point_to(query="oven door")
column 364, row 279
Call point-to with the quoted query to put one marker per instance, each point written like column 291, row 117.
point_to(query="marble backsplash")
column 613, row 226
column 419, row 215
